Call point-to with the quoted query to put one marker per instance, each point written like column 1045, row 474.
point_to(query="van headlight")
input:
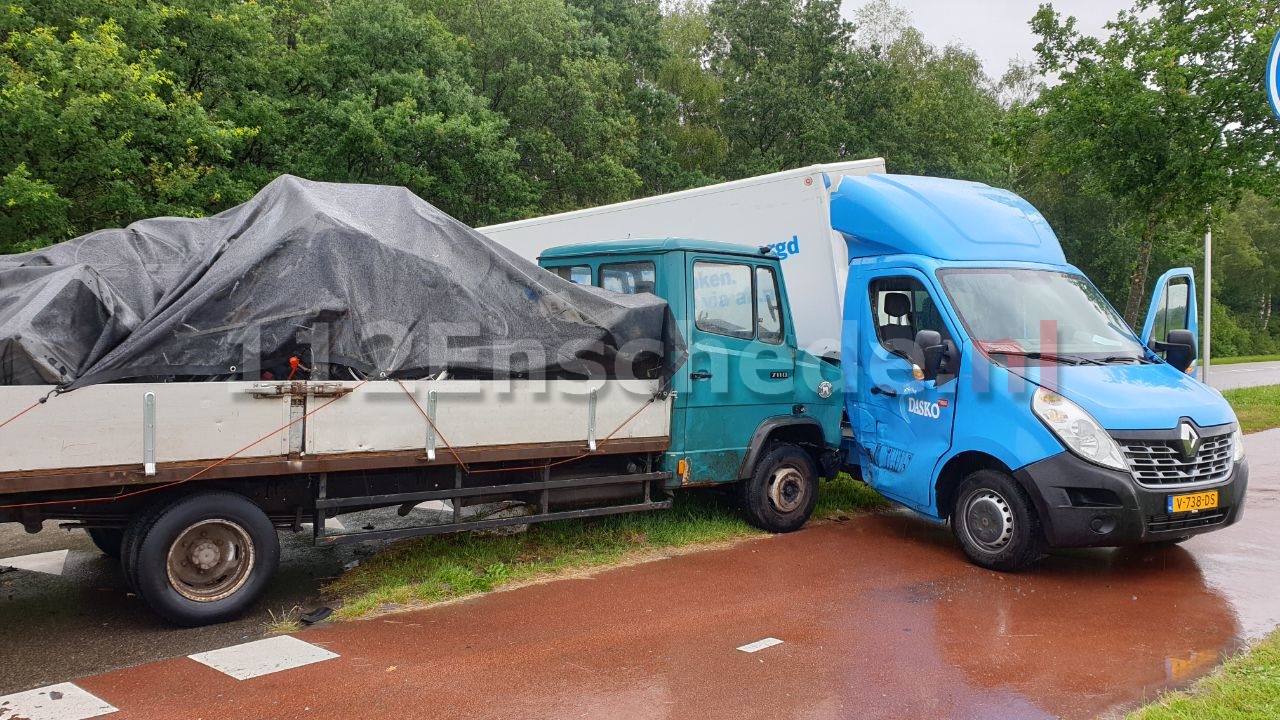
column 1237, row 445
column 1077, row 429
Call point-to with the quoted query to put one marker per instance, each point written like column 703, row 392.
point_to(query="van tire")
column 108, row 540
column 782, row 491
column 204, row 559
column 995, row 522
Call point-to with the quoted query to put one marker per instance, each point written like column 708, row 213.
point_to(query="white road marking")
column 64, row 701
column 329, row 524
column 760, row 645
column 49, row 563
column 263, row 657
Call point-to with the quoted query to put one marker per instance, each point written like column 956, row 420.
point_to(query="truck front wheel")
column 782, row 492
column 204, row 558
column 996, row 523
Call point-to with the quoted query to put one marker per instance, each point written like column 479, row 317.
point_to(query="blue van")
column 989, row 383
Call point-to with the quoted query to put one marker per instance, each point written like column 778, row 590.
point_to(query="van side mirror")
column 1180, row 349
column 941, row 357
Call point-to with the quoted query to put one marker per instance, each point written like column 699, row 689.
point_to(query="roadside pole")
column 1208, row 301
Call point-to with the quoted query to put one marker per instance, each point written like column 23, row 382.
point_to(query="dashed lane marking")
column 760, row 645
column 263, row 657
column 64, row 701
column 49, row 563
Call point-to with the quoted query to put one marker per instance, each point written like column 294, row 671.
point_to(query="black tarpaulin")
column 358, row 280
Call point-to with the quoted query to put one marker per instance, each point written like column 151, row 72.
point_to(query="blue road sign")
column 1273, row 77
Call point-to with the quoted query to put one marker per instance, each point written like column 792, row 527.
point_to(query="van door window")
column 722, row 299
column 1172, row 313
column 628, row 278
column 902, row 307
column 768, row 306
column 576, row 274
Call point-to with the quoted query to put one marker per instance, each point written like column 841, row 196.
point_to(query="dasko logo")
column 923, row 408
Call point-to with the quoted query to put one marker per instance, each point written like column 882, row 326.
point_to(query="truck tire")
column 995, row 522
column 108, row 540
column 204, row 558
column 782, row 491
column 133, row 538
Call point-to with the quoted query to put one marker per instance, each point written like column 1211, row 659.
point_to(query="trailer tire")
column 782, row 491
column 109, row 540
column 995, row 522
column 204, row 558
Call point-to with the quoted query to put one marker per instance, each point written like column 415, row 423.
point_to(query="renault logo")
column 1190, row 439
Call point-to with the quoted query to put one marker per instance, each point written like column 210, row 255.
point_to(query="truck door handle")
column 700, row 375
column 877, row 390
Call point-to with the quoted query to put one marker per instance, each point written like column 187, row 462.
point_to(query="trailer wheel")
column 996, row 523
column 782, row 491
column 108, row 540
column 204, row 559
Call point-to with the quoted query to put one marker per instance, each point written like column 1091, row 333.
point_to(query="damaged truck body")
column 326, row 349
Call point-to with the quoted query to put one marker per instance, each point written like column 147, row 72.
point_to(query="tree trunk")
column 1138, row 279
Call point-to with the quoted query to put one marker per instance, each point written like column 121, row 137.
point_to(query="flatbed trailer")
column 189, row 482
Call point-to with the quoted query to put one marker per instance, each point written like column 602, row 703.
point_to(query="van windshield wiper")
column 1121, row 358
column 1063, row 359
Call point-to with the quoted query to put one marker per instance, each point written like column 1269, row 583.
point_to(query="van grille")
column 1160, row 463
column 1174, row 523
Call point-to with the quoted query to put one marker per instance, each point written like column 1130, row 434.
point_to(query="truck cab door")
column 741, row 364
column 904, row 418
column 1173, row 308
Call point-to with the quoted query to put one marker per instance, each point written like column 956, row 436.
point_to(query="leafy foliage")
column 115, row 110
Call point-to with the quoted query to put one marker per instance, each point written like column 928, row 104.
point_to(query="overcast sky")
column 996, row 29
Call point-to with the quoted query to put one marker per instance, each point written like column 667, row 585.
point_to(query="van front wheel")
column 996, row 523
column 782, row 491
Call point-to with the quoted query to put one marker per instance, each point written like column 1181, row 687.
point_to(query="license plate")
column 1193, row 502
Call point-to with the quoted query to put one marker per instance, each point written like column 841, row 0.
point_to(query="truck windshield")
column 1039, row 314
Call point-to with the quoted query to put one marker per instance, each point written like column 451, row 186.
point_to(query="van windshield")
column 1040, row 314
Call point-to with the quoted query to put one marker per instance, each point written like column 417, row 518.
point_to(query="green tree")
column 98, row 135
column 1164, row 117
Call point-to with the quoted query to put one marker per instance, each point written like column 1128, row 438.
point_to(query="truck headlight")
column 1077, row 429
column 1237, row 446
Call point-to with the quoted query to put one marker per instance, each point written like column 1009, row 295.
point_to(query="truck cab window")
column 902, row 307
column 576, row 274
column 628, row 278
column 722, row 299
column 768, row 306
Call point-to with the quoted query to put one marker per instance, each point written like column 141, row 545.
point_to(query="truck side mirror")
column 1180, row 349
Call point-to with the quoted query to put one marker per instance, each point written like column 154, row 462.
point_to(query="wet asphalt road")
column 880, row 617
column 1226, row 377
column 86, row 620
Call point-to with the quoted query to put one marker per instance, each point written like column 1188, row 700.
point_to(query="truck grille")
column 1159, row 463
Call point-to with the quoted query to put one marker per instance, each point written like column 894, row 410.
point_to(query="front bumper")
column 1083, row 505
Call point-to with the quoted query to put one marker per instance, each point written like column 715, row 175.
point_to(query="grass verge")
column 1246, row 687
column 446, row 567
column 1243, row 359
column 1258, row 408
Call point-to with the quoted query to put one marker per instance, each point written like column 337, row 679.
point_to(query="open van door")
column 1172, row 329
